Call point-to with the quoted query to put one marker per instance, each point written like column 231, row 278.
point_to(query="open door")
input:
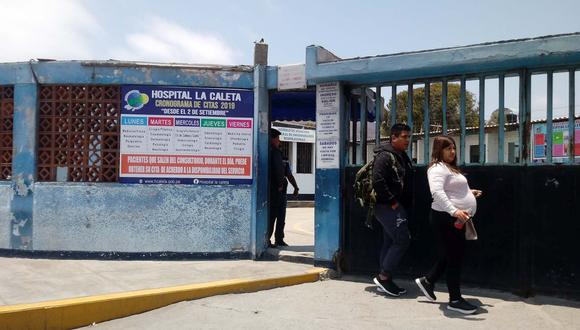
column 293, row 115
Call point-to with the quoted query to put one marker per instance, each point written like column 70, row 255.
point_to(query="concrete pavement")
column 61, row 294
column 34, row 280
column 97, row 288
column 354, row 303
column 299, row 234
column 102, row 290
column 299, row 229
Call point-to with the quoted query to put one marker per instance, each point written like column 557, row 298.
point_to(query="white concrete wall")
column 305, row 181
column 370, row 153
column 491, row 146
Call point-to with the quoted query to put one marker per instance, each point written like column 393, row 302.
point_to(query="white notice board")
column 291, row 77
column 327, row 125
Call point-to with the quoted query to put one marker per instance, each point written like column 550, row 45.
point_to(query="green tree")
column 435, row 112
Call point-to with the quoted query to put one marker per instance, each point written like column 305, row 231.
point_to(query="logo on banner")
column 135, row 100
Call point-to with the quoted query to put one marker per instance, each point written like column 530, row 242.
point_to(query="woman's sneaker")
column 426, row 288
column 462, row 306
column 401, row 290
column 389, row 287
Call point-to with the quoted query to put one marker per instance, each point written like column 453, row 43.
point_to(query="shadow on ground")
column 413, row 292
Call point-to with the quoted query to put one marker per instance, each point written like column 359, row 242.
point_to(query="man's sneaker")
column 462, row 306
column 281, row 243
column 387, row 287
column 426, row 288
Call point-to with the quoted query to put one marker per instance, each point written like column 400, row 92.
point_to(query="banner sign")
column 186, row 135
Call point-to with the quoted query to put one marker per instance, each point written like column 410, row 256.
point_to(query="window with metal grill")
column 304, row 158
column 474, row 153
column 285, row 147
column 78, row 135
column 6, row 124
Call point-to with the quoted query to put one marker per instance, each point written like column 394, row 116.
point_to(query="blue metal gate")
column 525, row 160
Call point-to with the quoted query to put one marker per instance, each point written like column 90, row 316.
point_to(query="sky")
column 224, row 32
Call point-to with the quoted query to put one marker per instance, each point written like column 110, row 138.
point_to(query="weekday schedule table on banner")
column 186, row 135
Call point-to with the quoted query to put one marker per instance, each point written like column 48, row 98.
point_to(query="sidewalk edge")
column 78, row 312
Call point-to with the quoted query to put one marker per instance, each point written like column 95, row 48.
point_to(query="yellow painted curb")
column 78, row 312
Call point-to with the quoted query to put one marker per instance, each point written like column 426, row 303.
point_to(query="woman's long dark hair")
column 439, row 143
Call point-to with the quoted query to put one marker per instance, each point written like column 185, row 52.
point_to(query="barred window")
column 474, row 153
column 285, row 147
column 6, row 124
column 78, row 135
column 304, row 158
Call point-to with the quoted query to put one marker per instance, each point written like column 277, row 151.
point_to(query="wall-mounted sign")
column 327, row 125
column 290, row 134
column 291, row 77
column 560, row 142
column 186, row 135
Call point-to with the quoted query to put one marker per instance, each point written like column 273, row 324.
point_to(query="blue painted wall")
column 113, row 217
column 23, row 164
column 6, row 194
column 328, row 215
column 111, row 72
column 138, row 218
column 260, row 203
column 329, row 199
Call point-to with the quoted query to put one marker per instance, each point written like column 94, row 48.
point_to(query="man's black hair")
column 274, row 133
column 398, row 128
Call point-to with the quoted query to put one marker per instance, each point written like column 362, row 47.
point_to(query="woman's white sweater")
column 450, row 190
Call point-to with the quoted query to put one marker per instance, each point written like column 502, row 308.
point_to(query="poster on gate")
column 178, row 135
column 560, row 142
column 327, row 125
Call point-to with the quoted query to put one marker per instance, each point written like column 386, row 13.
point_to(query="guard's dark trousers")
column 277, row 216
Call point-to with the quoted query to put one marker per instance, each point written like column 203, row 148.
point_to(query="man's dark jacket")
column 392, row 176
column 277, row 177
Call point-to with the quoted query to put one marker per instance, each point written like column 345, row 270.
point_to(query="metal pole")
column 501, row 120
column 462, row 124
column 482, row 120
column 549, row 115
column 426, row 124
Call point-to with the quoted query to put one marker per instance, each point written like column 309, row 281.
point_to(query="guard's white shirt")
column 450, row 190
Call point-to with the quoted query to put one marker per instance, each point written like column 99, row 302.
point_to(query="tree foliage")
column 494, row 118
column 435, row 110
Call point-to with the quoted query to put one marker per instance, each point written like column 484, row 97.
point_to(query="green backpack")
column 364, row 192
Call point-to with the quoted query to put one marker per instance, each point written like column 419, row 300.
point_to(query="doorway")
column 293, row 115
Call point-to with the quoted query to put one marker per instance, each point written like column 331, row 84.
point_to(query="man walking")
column 392, row 177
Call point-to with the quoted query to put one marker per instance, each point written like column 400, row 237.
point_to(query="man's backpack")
column 364, row 192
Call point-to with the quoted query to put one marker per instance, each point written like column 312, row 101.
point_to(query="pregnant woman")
column 453, row 205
